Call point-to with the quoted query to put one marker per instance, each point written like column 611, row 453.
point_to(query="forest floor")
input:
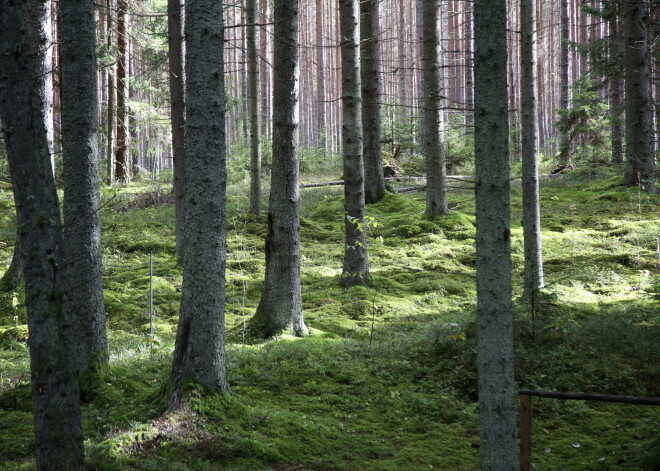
column 387, row 379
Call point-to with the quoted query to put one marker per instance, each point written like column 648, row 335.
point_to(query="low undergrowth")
column 387, row 379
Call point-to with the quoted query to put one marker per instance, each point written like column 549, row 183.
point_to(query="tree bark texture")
column 321, row 131
column 281, row 300
column 82, row 200
column 59, row 440
column 374, row 181
column 640, row 162
column 177, row 80
column 616, row 86
column 121, row 152
column 112, row 89
column 356, row 263
column 564, row 156
column 199, row 350
column 533, row 278
column 40, row 31
column 433, row 123
column 253, row 107
column 497, row 395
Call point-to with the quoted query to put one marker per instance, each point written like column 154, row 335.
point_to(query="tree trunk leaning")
column 56, row 398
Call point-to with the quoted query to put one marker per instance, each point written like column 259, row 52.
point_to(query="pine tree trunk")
column 530, row 179
column 176, row 82
column 497, row 395
column 199, row 350
column 253, row 107
column 57, row 423
column 82, row 200
column 433, row 125
column 374, row 182
column 356, row 263
column 322, row 133
column 640, row 162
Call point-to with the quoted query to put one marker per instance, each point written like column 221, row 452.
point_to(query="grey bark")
column 564, row 156
column 14, row 274
column 59, row 440
column 616, row 86
column 356, row 263
column 112, row 88
column 533, row 278
column 177, row 80
column 497, row 395
column 82, row 200
column 640, row 164
column 469, row 70
column 40, row 32
column 40, row 36
column 322, row 133
column 374, row 181
column 199, row 350
column 280, row 307
column 121, row 151
column 253, row 107
column 432, row 117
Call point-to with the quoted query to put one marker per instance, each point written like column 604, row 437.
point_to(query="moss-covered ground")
column 387, row 379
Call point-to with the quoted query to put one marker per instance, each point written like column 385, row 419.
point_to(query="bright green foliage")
column 387, row 380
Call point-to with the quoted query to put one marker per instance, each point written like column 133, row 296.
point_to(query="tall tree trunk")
column 199, row 350
column 41, row 39
column 374, row 181
column 497, row 395
column 432, row 123
column 616, row 85
column 640, row 162
column 530, row 179
column 469, row 70
column 121, row 156
column 178, row 118
column 356, row 263
column 82, row 200
column 564, row 155
column 253, row 107
column 280, row 307
column 57, row 423
column 322, row 133
column 264, row 71
column 40, row 36
column 112, row 90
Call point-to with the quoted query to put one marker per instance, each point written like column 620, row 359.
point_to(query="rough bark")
column 82, row 200
column 112, row 89
column 616, row 87
column 469, row 70
column 40, row 32
column 14, row 274
column 199, row 350
column 253, row 107
column 59, row 440
column 121, row 151
column 280, row 307
column 640, row 162
column 433, row 123
column 374, row 182
column 356, row 263
column 533, row 278
column 564, row 156
column 177, row 79
column 321, row 131
column 497, row 395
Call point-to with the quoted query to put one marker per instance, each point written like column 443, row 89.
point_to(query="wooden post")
column 525, row 432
